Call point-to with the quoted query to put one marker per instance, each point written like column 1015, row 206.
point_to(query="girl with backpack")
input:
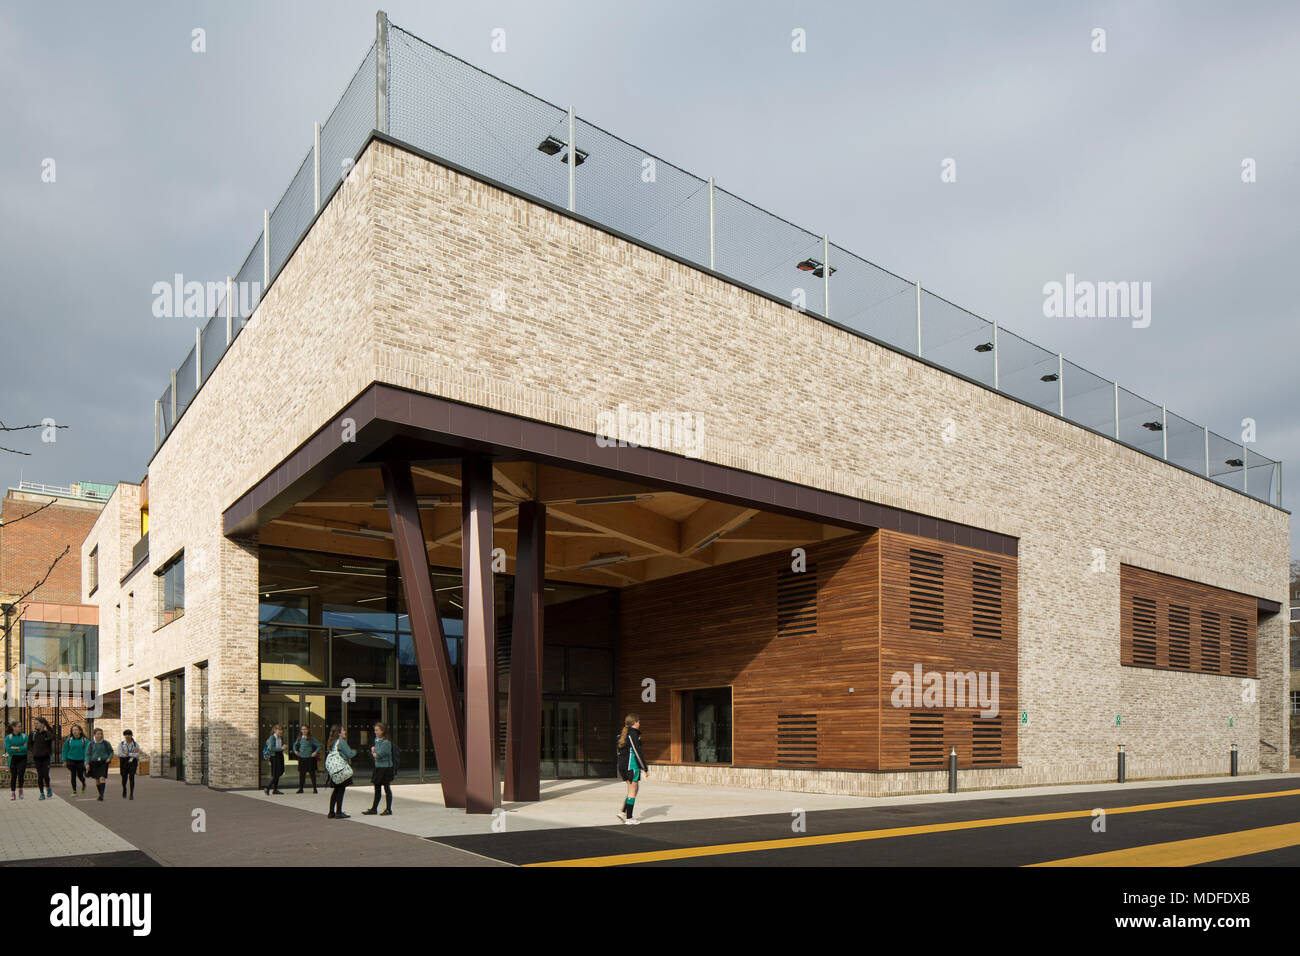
column 16, row 751
column 338, row 767
column 74, row 757
column 383, row 751
column 273, row 750
column 98, row 756
column 631, row 765
column 41, row 748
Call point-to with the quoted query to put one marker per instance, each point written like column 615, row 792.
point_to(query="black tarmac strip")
column 118, row 858
column 1005, row 845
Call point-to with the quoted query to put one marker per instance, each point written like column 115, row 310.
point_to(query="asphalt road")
column 1240, row 823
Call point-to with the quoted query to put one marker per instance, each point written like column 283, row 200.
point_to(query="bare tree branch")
column 13, row 521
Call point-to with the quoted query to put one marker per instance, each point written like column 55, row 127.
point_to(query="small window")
column 171, row 590
column 1295, row 702
column 92, row 571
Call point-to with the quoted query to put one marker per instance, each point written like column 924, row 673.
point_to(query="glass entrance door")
column 362, row 715
column 404, row 722
column 176, row 727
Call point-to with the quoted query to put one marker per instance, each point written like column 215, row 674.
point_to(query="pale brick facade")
column 395, row 283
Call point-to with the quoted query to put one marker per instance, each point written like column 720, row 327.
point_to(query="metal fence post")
column 995, row 356
column 173, row 396
column 1060, row 384
column 230, row 311
column 952, row 770
column 918, row 319
column 266, row 249
column 711, row 266
column 315, row 161
column 381, row 71
column 826, row 275
column 1164, row 433
column 1279, row 484
column 1245, row 469
column 198, row 357
column 1116, row 384
column 1207, row 450
column 157, row 422
column 573, row 165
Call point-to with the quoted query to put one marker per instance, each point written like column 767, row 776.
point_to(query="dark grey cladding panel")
column 382, row 410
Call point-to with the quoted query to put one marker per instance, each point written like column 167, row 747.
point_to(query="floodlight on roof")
column 550, row 146
column 1049, row 377
column 1234, row 462
column 812, row 265
column 1153, row 426
column 984, row 347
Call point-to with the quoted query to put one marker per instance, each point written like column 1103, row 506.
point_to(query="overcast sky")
column 1122, row 165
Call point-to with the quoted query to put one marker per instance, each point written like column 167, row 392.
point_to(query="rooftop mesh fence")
column 439, row 104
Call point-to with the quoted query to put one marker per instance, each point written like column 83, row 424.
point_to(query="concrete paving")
column 35, row 829
column 418, row 808
column 181, row 825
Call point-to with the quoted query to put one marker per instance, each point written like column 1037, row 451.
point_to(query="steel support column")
column 482, row 790
column 436, row 681
column 524, row 713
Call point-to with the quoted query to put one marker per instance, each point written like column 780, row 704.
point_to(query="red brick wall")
column 28, row 547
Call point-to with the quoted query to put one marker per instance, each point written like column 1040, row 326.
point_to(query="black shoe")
column 369, row 813
column 132, row 797
column 123, row 794
column 280, row 792
column 313, row 790
column 101, row 798
column 330, row 815
column 299, row 790
column 267, row 791
column 386, row 813
column 342, row 816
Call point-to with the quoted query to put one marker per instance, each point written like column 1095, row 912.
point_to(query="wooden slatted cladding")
column 804, row 656
column 971, row 638
column 1171, row 623
column 796, row 602
column 796, row 740
column 790, row 645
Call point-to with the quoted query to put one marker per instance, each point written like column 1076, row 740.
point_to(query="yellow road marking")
column 684, row 853
column 1222, row 846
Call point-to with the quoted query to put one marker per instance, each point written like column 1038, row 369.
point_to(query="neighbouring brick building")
column 391, row 494
column 45, row 624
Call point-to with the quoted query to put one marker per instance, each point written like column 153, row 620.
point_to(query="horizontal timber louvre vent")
column 925, row 739
column 1237, row 642
column 925, row 590
column 986, row 600
column 1210, row 637
column 796, row 740
column 1180, row 636
column 986, row 740
column 1144, row 631
column 796, row 603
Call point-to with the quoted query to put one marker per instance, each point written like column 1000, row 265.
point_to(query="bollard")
column 952, row 771
column 1119, row 753
column 1234, row 760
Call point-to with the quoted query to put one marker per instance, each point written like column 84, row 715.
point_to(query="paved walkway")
column 34, row 829
column 418, row 808
column 238, row 831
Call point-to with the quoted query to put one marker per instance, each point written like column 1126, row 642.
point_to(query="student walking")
column 338, row 768
column 273, row 750
column 128, row 760
column 40, row 746
column 98, row 755
column 74, row 757
column 631, row 764
column 305, row 749
column 16, row 752
column 384, row 752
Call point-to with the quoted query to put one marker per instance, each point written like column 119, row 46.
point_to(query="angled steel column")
column 436, row 682
column 524, row 713
column 482, row 792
